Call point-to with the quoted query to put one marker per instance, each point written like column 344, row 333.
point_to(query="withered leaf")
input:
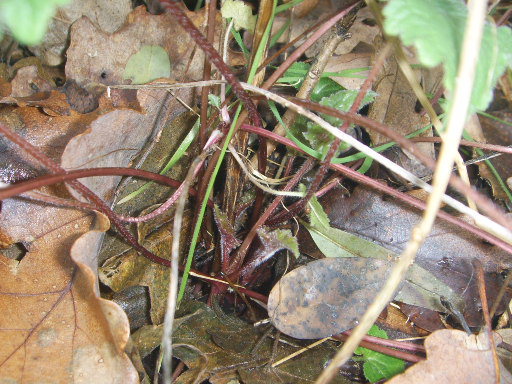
column 326, row 296
column 220, row 348
column 54, row 324
column 454, row 357
column 447, row 252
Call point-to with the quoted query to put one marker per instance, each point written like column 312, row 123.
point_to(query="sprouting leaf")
column 378, row 366
column 28, row 19
column 438, row 39
column 240, row 12
column 421, row 287
column 326, row 296
column 214, row 100
column 149, row 63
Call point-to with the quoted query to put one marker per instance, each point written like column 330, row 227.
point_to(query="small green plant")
column 28, row 19
column 376, row 365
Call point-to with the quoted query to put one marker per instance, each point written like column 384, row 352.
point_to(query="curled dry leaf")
column 326, row 296
column 454, row 357
column 54, row 324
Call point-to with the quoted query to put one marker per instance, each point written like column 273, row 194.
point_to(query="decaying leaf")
column 97, row 57
column 108, row 15
column 447, row 253
column 420, row 287
column 219, row 348
column 454, row 357
column 149, row 63
column 54, row 325
column 326, row 296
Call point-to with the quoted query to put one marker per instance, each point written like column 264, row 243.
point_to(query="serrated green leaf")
column 240, row 12
column 436, row 29
column 378, row 366
column 288, row 241
column 28, row 19
column 214, row 100
column 149, row 63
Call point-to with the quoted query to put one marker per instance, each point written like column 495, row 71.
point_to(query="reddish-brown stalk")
column 207, row 68
column 466, row 143
column 484, row 203
column 244, row 247
column 84, row 191
column 374, row 184
column 315, row 184
column 174, row 8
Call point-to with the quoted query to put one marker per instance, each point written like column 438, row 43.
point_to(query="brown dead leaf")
column 454, row 357
column 107, row 15
column 447, row 253
column 98, row 57
column 396, row 106
column 326, row 296
column 54, row 325
column 115, row 138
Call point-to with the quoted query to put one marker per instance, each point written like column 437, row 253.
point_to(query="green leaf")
column 149, row 63
column 240, row 12
column 378, row 366
column 325, row 88
column 28, row 19
column 214, row 100
column 317, row 214
column 421, row 288
column 436, row 29
column 341, row 100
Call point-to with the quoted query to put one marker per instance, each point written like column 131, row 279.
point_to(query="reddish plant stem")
column 207, row 69
column 480, row 278
column 215, row 58
column 392, row 343
column 486, row 205
column 336, row 143
column 60, row 177
column 84, row 191
column 385, row 350
column 304, row 47
column 465, row 143
column 365, row 180
column 244, row 247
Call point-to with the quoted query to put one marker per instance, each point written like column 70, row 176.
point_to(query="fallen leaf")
column 97, row 57
column 219, row 348
column 447, row 253
column 108, row 15
column 420, row 286
column 149, row 63
column 54, row 324
column 326, row 296
column 454, row 357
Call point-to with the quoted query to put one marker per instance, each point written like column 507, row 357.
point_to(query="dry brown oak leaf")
column 454, row 357
column 54, row 326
